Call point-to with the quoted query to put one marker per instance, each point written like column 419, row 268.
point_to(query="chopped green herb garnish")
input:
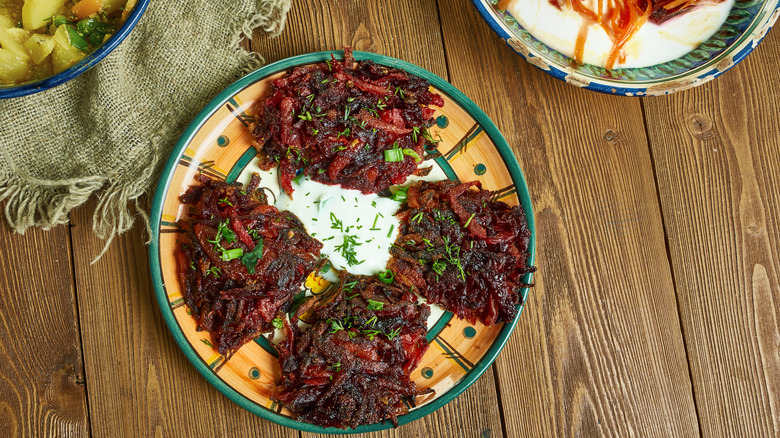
column 394, row 155
column 250, row 259
column 230, row 254
column 389, row 233
column 439, row 266
column 215, row 271
column 469, row 221
column 278, row 323
column 453, row 256
column 335, row 223
column 373, row 227
column 347, row 249
column 387, row 276
column 370, row 334
column 335, row 325
column 400, row 194
column 412, row 153
column 375, row 305
column 393, row 333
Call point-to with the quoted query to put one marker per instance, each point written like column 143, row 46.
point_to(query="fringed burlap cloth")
column 109, row 131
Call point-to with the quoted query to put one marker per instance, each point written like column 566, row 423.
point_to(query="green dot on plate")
column 469, row 332
column 254, row 373
column 442, row 122
column 427, row 373
column 480, row 169
column 222, row 141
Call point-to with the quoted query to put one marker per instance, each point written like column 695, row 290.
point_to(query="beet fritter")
column 351, row 367
column 461, row 250
column 240, row 260
column 358, row 124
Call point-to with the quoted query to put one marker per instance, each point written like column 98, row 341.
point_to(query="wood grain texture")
column 140, row 383
column 717, row 157
column 598, row 350
column 408, row 30
column 42, row 379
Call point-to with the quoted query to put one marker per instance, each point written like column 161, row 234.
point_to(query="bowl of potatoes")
column 44, row 43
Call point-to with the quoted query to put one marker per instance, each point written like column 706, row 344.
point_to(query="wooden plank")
column 42, row 378
column 598, row 350
column 408, row 30
column 140, row 383
column 717, row 157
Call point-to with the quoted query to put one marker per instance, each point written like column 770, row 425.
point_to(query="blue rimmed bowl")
column 218, row 144
column 89, row 61
column 747, row 24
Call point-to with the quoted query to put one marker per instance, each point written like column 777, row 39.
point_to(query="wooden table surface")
column 655, row 311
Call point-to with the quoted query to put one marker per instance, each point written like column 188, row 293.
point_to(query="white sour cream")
column 356, row 230
column 331, row 213
column 653, row 44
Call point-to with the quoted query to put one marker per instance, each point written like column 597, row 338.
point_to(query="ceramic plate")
column 747, row 24
column 217, row 144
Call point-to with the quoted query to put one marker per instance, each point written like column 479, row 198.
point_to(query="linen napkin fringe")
column 38, row 202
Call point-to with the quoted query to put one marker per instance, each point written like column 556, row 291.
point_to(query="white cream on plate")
column 653, row 44
column 356, row 230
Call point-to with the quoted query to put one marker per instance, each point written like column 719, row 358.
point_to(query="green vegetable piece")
column 96, row 38
column 375, row 305
column 104, row 28
column 231, row 254
column 413, row 154
column 387, row 276
column 250, row 259
column 59, row 20
column 87, row 26
column 77, row 40
column 394, row 155
column 278, row 323
column 400, row 194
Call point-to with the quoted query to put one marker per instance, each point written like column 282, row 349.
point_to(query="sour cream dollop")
column 356, row 230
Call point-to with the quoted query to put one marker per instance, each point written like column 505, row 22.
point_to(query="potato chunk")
column 36, row 12
column 39, row 47
column 64, row 55
column 8, row 42
column 13, row 69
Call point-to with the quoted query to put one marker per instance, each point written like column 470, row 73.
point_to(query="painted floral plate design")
column 218, row 144
column 745, row 27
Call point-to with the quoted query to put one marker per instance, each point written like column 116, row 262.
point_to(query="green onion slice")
column 400, row 194
column 231, row 254
column 394, row 155
column 413, row 154
column 387, row 276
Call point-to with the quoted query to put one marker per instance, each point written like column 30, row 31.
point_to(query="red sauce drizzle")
column 622, row 19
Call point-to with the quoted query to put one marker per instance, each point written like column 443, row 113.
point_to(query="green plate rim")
column 490, row 129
